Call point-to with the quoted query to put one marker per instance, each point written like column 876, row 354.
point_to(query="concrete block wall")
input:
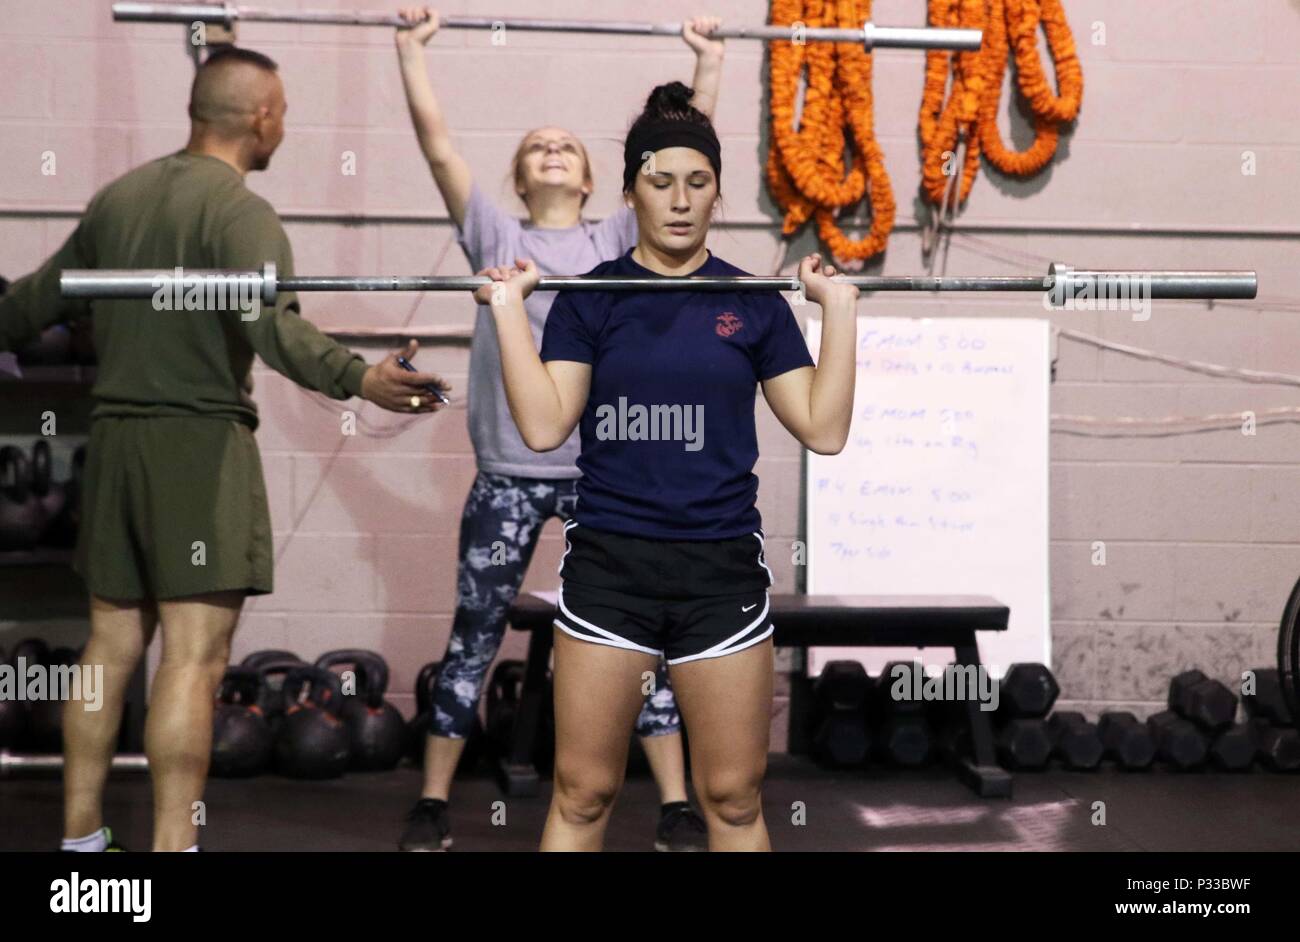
column 1178, row 96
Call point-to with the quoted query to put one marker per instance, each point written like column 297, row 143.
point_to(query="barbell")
column 1063, row 283
column 872, row 36
column 18, row 764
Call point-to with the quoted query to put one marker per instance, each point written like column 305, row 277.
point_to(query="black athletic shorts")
column 682, row 600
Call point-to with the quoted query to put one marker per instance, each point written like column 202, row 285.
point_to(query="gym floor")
column 858, row 811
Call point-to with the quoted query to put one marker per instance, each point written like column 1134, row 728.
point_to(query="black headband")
column 650, row 136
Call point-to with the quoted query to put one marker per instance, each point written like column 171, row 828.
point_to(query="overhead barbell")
column 1061, row 282
column 872, row 36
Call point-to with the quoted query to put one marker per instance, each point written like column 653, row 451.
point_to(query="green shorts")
column 173, row 507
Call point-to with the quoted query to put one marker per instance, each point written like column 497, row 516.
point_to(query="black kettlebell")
column 255, row 660
column 242, row 743
column 418, row 728
column 22, row 520
column 505, row 690
column 45, row 717
column 312, row 742
column 272, row 672
column 40, row 467
column 13, row 714
column 51, row 494
column 376, row 732
column 61, row 530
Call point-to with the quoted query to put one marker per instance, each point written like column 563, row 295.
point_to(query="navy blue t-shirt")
column 668, row 436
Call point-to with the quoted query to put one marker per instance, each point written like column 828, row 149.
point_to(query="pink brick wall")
column 1199, row 528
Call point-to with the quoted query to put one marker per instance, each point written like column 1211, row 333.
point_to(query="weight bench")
column 801, row 621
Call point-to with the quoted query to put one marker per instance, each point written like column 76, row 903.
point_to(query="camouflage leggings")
column 503, row 518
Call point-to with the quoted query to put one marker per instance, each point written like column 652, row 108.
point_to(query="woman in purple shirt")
column 664, row 554
column 517, row 490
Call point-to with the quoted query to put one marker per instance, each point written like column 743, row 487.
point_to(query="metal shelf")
column 41, row 556
column 70, row 373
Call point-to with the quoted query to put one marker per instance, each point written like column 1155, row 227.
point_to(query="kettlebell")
column 312, row 742
column 61, row 530
column 242, row 743
column 22, row 521
column 255, row 660
column 13, row 715
column 376, row 732
column 418, row 728
column 40, row 467
column 51, row 494
column 272, row 672
column 45, row 717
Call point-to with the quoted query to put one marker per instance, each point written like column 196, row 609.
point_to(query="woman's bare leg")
column 726, row 703
column 597, row 699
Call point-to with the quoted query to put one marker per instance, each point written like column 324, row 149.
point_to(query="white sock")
column 190, row 850
column 95, row 843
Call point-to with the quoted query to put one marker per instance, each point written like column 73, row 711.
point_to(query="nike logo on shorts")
column 745, row 608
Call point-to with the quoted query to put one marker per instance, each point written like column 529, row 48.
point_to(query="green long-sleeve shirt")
column 192, row 211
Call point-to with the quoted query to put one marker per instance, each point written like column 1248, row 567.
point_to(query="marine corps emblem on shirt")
column 728, row 324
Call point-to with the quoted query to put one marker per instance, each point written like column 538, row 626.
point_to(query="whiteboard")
column 942, row 486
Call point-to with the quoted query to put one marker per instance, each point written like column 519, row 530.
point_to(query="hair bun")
column 670, row 98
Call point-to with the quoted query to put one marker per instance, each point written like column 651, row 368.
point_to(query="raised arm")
column 816, row 404
column 708, row 61
column 546, row 399
column 450, row 170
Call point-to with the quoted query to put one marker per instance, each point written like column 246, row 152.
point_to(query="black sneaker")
column 428, row 827
column 681, row 829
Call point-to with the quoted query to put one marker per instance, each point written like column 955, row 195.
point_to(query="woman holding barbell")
column 517, row 490
column 664, row 555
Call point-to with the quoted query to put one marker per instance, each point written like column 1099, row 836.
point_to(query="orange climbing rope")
column 806, row 171
column 969, row 115
column 805, row 166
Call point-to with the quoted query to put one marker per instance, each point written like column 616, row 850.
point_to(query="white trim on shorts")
column 567, row 527
column 728, row 645
column 604, row 635
column 759, row 536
